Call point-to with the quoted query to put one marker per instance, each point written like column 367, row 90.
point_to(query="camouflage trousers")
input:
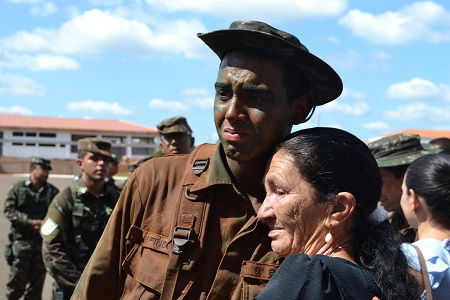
column 27, row 273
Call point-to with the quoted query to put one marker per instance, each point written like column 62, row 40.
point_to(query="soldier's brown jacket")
column 236, row 260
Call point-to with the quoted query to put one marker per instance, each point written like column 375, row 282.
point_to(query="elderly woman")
column 426, row 204
column 322, row 188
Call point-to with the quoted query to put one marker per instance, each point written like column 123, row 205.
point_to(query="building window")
column 115, row 139
column 32, row 134
column 17, row 133
column 30, row 144
column 141, row 151
column 17, row 144
column 47, row 135
column 47, row 145
column 143, row 140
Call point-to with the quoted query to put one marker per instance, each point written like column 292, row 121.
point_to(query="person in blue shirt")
column 426, row 204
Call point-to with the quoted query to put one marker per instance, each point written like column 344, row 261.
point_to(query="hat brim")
column 405, row 159
column 328, row 84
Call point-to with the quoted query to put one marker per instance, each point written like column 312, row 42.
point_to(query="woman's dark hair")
column 334, row 161
column 429, row 177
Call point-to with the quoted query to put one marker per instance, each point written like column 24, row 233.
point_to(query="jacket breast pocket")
column 148, row 259
column 255, row 276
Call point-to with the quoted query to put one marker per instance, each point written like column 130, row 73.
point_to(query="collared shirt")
column 146, row 206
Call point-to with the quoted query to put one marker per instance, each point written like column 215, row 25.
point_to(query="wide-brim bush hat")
column 259, row 35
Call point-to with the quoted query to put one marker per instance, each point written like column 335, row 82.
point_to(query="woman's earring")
column 329, row 237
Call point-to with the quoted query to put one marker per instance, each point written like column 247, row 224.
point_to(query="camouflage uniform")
column 394, row 151
column 71, row 230
column 25, row 203
column 74, row 223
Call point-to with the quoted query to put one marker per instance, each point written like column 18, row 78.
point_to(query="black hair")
column 334, row 161
column 429, row 177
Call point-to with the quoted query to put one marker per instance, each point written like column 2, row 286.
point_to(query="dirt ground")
column 6, row 181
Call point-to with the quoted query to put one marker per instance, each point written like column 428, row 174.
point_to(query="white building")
column 56, row 138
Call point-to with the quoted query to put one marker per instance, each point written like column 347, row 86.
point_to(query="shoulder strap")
column 189, row 220
column 426, row 279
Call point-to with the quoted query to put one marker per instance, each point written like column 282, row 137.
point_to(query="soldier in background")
column 176, row 136
column 77, row 216
column 394, row 154
column 112, row 170
column 25, row 207
column 442, row 143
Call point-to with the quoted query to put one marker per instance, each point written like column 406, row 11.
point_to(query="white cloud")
column 168, row 105
column 38, row 62
column 16, row 110
column 351, row 94
column 98, row 31
column 253, row 9
column 416, row 21
column 357, row 109
column 419, row 89
column 106, row 2
column 354, row 60
column 419, row 112
column 25, row 1
column 44, row 10
column 19, row 85
column 192, row 99
column 99, row 107
column 377, row 125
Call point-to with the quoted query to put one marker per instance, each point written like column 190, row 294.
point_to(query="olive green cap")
column 174, row 124
column 95, row 145
column 399, row 149
column 40, row 161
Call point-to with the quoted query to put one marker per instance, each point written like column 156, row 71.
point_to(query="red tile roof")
column 70, row 124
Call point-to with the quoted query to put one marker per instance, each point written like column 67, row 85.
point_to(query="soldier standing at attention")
column 176, row 136
column 25, row 207
column 77, row 216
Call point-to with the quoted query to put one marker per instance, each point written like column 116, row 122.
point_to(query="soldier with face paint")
column 267, row 82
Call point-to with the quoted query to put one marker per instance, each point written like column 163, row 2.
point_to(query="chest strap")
column 190, row 221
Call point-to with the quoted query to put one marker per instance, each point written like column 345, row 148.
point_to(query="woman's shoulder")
column 323, row 275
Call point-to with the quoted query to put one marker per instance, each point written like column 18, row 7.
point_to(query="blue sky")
column 140, row 61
